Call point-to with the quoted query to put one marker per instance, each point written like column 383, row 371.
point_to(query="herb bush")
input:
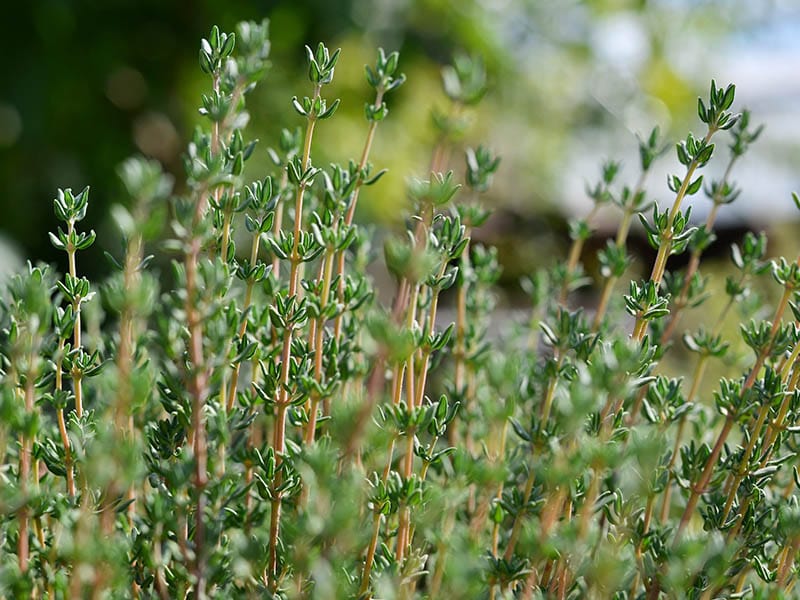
column 263, row 427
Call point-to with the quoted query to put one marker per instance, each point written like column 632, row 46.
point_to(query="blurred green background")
column 90, row 82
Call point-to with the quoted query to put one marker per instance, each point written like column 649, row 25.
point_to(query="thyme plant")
column 255, row 423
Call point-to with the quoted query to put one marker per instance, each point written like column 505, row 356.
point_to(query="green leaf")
column 329, row 112
column 727, row 99
column 704, row 155
column 695, row 186
column 206, row 63
column 701, row 110
column 56, row 241
column 214, row 38
column 227, row 47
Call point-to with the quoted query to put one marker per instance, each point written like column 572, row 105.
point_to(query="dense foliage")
column 257, row 424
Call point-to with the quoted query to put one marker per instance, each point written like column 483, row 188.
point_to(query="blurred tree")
column 91, row 82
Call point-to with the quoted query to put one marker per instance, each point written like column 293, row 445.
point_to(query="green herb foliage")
column 262, row 426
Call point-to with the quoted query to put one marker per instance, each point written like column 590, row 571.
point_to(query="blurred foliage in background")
column 94, row 81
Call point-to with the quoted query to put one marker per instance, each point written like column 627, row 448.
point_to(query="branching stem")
column 282, row 401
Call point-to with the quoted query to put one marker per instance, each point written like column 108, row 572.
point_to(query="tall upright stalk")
column 321, row 69
column 723, row 193
column 382, row 79
column 665, row 247
column 60, row 417
column 260, row 195
column 76, row 375
column 693, row 154
column 699, row 486
column 214, row 52
column 282, row 401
